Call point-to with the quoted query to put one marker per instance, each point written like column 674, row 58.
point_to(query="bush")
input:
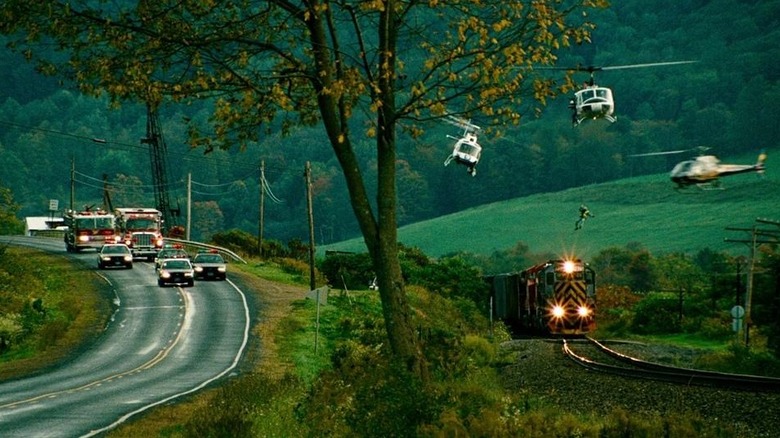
column 237, row 241
column 657, row 313
column 353, row 271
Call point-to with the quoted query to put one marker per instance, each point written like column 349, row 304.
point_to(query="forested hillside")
column 728, row 100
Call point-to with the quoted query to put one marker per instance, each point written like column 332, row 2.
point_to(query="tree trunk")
column 380, row 233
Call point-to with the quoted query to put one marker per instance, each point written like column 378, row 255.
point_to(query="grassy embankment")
column 49, row 308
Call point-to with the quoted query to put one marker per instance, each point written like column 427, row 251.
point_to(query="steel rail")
column 655, row 371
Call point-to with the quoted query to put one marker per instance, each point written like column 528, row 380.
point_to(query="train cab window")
column 589, row 277
column 550, row 278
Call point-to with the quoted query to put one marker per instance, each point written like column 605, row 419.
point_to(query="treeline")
column 728, row 100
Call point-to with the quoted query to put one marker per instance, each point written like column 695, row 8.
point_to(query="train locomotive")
column 557, row 297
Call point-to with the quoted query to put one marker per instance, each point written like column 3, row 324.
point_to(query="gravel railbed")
column 542, row 369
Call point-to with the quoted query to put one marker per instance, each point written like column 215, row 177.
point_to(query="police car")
column 209, row 266
column 175, row 272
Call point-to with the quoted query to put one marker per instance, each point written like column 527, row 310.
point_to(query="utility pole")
column 740, row 261
column 754, row 241
column 72, row 183
column 312, row 282
column 261, row 210
column 189, row 204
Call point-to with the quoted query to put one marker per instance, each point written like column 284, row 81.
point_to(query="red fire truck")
column 141, row 230
column 89, row 229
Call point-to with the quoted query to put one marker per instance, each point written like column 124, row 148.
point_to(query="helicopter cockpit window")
column 471, row 149
column 588, row 94
column 601, row 92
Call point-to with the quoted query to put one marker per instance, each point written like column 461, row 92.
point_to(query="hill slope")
column 645, row 209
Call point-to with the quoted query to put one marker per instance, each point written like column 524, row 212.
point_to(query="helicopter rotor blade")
column 461, row 123
column 654, row 64
column 591, row 68
column 651, row 154
column 700, row 149
column 585, row 68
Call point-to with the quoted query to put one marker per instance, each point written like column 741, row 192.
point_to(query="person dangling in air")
column 584, row 214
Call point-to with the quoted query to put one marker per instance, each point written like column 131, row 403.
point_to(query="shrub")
column 657, row 313
column 236, row 240
column 353, row 271
column 10, row 330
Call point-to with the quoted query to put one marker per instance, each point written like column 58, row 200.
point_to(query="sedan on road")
column 113, row 255
column 209, row 265
column 175, row 271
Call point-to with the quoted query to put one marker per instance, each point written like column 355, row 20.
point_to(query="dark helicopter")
column 596, row 102
column 466, row 150
column 705, row 171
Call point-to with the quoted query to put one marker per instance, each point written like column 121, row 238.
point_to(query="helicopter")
column 705, row 171
column 466, row 150
column 596, row 102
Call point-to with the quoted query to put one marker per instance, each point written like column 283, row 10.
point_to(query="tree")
column 9, row 224
column 382, row 65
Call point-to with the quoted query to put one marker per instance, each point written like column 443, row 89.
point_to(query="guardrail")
column 219, row 249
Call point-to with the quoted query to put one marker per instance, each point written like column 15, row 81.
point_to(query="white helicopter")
column 705, row 171
column 596, row 102
column 466, row 150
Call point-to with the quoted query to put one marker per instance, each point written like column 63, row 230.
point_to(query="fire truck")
column 141, row 230
column 89, row 229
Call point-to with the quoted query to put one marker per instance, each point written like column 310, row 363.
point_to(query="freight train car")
column 556, row 297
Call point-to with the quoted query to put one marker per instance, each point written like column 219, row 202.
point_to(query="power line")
column 125, row 146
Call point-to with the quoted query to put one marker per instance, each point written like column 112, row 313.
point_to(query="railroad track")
column 623, row 365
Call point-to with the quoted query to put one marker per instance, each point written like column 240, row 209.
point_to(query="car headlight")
column 165, row 274
column 189, row 273
column 128, row 258
column 105, row 258
column 198, row 269
column 222, row 269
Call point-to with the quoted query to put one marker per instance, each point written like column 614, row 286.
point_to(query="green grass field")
column 646, row 209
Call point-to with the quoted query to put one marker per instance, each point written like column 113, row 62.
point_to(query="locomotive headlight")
column 568, row 266
column 557, row 311
column 583, row 311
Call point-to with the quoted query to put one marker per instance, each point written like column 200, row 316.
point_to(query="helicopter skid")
column 578, row 120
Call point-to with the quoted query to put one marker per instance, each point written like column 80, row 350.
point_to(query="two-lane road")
column 161, row 344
